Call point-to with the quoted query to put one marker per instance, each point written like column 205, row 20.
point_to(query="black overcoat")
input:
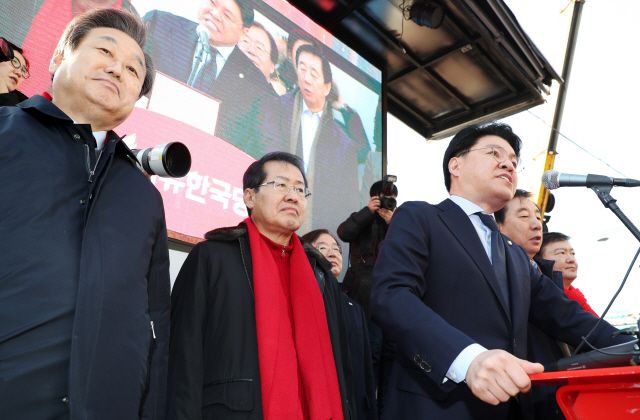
column 213, row 357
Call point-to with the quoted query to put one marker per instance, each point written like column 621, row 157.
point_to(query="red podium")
column 611, row 393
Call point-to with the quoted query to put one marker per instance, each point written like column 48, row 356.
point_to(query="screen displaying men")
column 227, row 61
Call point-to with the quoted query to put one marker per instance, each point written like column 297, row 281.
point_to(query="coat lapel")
column 464, row 231
column 517, row 289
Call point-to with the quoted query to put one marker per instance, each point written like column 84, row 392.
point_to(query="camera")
column 169, row 160
column 386, row 201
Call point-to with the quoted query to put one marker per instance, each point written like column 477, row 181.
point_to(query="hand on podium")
column 494, row 376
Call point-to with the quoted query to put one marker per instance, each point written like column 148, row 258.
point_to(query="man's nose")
column 536, row 224
column 115, row 68
column 291, row 194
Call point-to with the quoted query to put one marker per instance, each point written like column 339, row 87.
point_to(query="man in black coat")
column 364, row 230
column 520, row 221
column 205, row 56
column 84, row 278
column 239, row 320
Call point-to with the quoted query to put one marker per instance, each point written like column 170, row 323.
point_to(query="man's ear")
column 55, row 62
column 454, row 166
column 327, row 89
column 249, row 197
column 244, row 31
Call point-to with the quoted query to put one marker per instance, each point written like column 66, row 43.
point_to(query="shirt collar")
column 225, row 51
column 306, row 108
column 469, row 207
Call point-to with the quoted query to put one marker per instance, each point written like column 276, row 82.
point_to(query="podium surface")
column 608, row 393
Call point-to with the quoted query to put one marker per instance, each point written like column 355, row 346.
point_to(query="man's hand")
column 494, row 376
column 374, row 204
column 386, row 214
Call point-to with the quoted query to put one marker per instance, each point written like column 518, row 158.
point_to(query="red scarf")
column 311, row 376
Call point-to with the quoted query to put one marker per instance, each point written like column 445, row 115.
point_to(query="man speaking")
column 84, row 273
column 456, row 295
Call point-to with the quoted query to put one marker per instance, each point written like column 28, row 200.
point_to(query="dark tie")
column 207, row 76
column 499, row 261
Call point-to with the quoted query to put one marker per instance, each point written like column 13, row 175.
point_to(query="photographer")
column 365, row 230
column 14, row 69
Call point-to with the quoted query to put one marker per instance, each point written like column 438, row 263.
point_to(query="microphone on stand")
column 198, row 58
column 553, row 179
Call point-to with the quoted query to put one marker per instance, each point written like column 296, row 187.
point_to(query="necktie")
column 499, row 261
column 207, row 75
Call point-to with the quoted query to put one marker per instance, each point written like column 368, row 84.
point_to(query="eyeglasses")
column 247, row 43
column 324, row 249
column 17, row 64
column 501, row 155
column 284, row 188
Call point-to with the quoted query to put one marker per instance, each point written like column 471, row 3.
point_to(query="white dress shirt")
column 458, row 370
column 309, row 125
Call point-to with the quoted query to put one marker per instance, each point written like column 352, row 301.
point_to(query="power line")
column 576, row 144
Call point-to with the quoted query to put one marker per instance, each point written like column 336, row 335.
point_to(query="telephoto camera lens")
column 168, row 160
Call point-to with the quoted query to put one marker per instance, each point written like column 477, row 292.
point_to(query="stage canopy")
column 476, row 66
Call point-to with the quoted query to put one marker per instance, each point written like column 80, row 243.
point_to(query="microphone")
column 202, row 44
column 619, row 355
column 553, row 179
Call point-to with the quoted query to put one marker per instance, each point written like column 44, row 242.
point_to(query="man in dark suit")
column 456, row 295
column 301, row 122
column 205, row 56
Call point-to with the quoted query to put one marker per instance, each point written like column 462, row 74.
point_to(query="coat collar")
column 44, row 106
column 233, row 233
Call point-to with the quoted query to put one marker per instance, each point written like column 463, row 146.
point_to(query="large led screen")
column 235, row 80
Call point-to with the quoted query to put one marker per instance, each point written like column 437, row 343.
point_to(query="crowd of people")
column 444, row 311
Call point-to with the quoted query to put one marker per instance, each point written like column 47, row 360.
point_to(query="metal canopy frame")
column 479, row 65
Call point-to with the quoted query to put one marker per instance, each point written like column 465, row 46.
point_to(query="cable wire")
column 584, row 339
column 576, row 144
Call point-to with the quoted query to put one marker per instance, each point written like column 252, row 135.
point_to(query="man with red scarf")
column 257, row 326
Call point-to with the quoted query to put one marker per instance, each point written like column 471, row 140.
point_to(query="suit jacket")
column 333, row 167
column 172, row 43
column 435, row 293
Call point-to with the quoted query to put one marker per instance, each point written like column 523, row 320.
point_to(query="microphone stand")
column 602, row 191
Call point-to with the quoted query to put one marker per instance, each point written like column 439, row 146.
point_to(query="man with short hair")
column 84, row 300
column 519, row 220
column 301, row 122
column 258, row 329
column 364, row 231
column 556, row 247
column 456, row 297
column 205, row 55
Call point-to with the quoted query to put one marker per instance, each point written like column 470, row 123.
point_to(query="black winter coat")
column 213, row 359
column 364, row 231
column 89, row 231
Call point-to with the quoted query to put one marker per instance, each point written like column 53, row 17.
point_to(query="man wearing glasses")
column 456, row 295
column 205, row 55
column 258, row 330
column 12, row 73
